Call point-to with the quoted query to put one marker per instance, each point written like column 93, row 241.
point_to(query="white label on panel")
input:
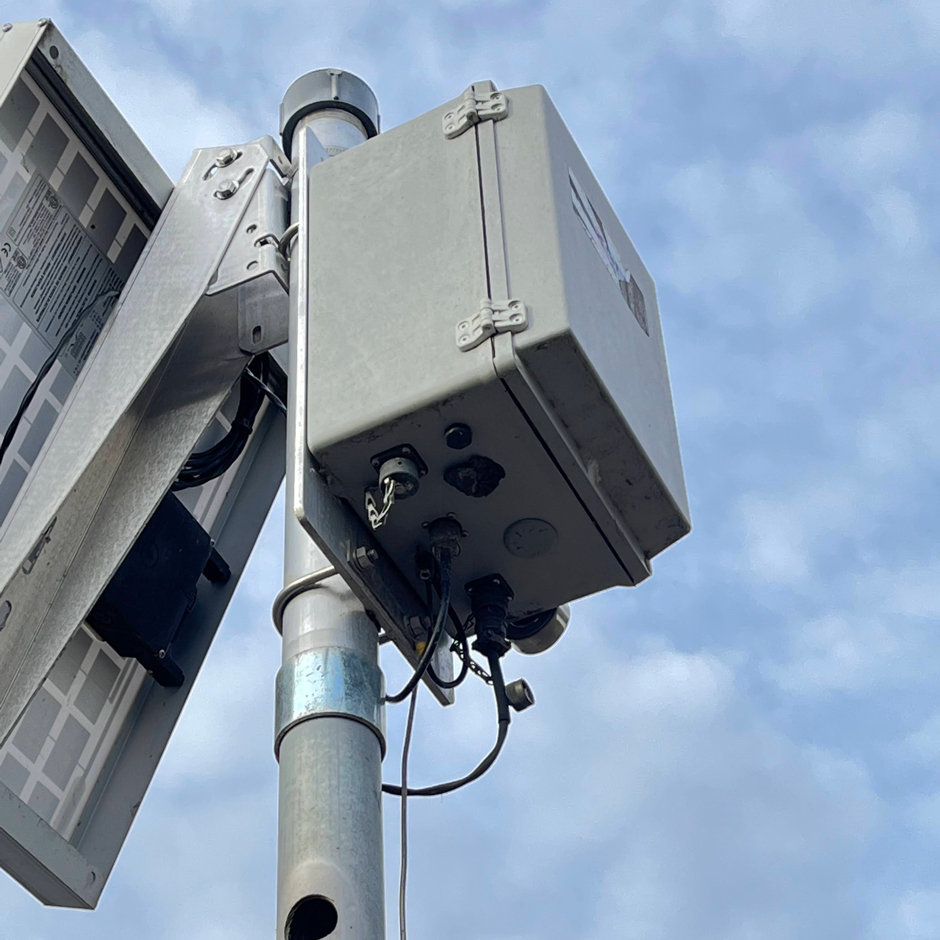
column 629, row 289
column 51, row 270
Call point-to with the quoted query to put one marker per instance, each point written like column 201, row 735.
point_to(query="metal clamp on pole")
column 331, row 680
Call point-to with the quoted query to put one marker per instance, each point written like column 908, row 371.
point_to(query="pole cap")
column 328, row 88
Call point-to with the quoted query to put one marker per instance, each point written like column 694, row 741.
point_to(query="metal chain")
column 475, row 667
column 378, row 517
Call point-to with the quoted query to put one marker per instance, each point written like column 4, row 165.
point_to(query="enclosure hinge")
column 473, row 108
column 508, row 316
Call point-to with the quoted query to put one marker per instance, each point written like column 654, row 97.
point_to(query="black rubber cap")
column 328, row 88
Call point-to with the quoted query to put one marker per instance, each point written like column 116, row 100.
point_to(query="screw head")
column 225, row 157
column 7, row 27
column 44, row 22
column 227, row 189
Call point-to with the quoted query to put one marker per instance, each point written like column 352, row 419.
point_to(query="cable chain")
column 377, row 517
column 475, row 667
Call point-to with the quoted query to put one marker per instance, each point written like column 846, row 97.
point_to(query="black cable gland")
column 489, row 601
column 445, row 535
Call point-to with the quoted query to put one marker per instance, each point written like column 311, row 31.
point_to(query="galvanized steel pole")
column 330, row 734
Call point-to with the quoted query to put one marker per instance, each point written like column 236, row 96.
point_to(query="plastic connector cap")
column 405, row 474
column 328, row 89
column 520, row 695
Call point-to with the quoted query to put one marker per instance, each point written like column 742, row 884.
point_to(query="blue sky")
column 748, row 745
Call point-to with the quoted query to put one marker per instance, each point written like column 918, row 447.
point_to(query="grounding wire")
column 504, row 718
column 44, row 370
column 403, row 878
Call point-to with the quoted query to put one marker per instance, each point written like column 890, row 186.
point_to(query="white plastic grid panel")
column 97, row 239
column 56, row 751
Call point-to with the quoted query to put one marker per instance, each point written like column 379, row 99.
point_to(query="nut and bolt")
column 7, row 27
column 225, row 157
column 365, row 557
column 227, row 189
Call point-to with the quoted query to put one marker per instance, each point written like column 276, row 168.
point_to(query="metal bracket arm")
column 169, row 356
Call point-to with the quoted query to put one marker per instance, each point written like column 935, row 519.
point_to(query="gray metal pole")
column 330, row 735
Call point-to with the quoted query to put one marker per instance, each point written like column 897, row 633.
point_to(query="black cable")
column 44, row 371
column 435, row 636
column 464, row 644
column 269, row 393
column 504, row 718
column 403, row 879
column 212, row 463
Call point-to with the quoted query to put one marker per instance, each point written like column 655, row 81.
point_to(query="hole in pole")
column 312, row 918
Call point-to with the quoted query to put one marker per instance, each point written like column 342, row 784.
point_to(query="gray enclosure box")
column 466, row 268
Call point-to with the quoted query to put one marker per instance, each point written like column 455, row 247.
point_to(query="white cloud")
column 165, row 107
column 777, row 161
column 925, row 814
column 702, row 817
column 914, row 915
column 786, row 536
column 924, row 743
column 913, row 590
column 840, row 654
column 900, row 435
column 841, row 33
column 873, row 149
column 749, row 222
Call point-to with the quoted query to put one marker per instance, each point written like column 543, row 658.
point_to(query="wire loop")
column 307, row 583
